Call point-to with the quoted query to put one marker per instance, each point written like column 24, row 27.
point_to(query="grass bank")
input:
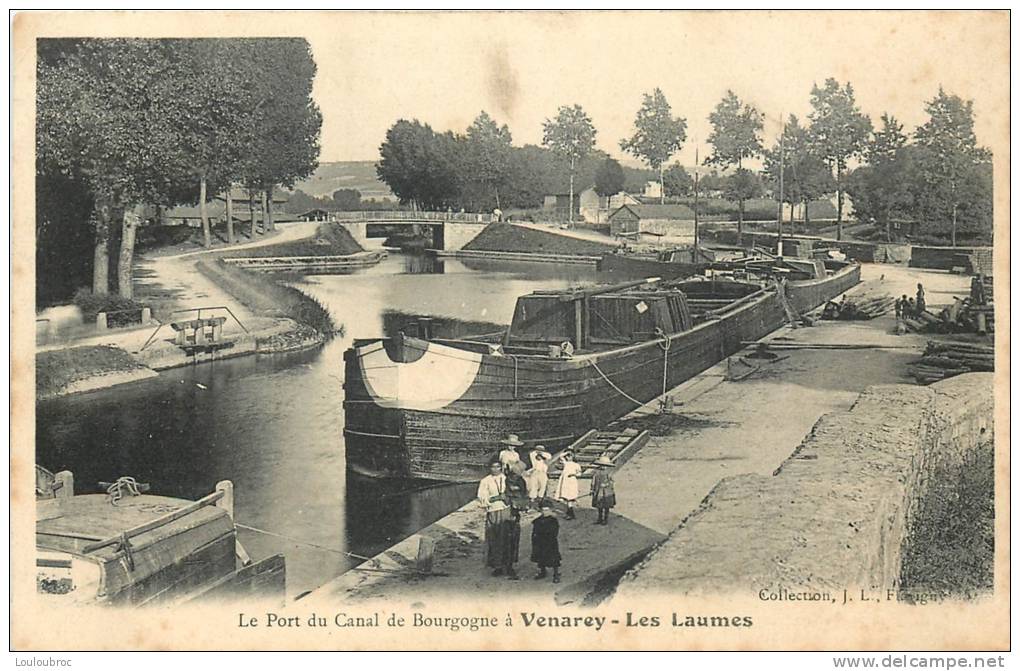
column 266, row 296
column 951, row 548
column 58, row 372
column 520, row 239
column 330, row 239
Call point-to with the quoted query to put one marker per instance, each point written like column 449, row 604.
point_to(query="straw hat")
column 512, row 440
column 603, row 461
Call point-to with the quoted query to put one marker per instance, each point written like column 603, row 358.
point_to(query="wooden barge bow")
column 570, row 361
column 130, row 548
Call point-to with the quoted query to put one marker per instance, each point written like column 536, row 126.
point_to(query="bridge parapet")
column 409, row 217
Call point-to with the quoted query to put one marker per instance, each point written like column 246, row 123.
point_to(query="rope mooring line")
column 302, row 542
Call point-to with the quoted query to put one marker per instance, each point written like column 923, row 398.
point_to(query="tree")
column 571, row 136
column 286, row 120
column 488, row 153
column 950, row 160
column 879, row 189
column 609, row 178
column 420, row 166
column 347, row 199
column 658, row 135
column 839, row 131
column 103, row 117
column 677, row 181
column 734, row 137
column 806, row 177
column 742, row 185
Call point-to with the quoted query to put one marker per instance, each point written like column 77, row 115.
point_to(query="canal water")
column 274, row 424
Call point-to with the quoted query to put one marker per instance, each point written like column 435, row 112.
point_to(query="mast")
column 782, row 152
column 695, row 258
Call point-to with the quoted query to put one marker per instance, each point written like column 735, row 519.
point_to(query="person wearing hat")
column 566, row 487
column 603, row 493
column 538, row 475
column 502, row 531
column 545, row 542
column 509, row 455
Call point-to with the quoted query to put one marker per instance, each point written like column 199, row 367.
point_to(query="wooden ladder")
column 615, row 444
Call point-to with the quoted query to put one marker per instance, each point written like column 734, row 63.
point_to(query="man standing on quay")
column 502, row 532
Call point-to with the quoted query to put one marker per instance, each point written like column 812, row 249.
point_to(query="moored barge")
column 130, row 548
column 570, row 361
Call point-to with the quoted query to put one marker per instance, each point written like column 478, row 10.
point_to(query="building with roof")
column 673, row 221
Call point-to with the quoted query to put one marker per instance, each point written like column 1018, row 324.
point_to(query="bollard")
column 227, row 502
column 146, row 315
column 63, row 485
column 426, row 550
column 101, row 321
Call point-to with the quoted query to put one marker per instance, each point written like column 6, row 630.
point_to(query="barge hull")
column 544, row 401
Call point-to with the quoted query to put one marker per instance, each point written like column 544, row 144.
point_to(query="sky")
column 444, row 68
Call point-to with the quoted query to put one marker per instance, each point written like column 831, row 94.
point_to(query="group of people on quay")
column 515, row 488
column 911, row 307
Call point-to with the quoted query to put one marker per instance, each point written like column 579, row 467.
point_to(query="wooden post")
column 227, row 502
column 578, row 325
column 101, row 321
column 146, row 315
column 231, row 239
column 426, row 549
column 63, row 484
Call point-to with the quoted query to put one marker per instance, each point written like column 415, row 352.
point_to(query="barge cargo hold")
column 569, row 362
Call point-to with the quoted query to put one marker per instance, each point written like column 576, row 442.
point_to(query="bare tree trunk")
column 570, row 203
column 267, row 208
column 101, row 254
column 251, row 212
column 498, row 207
column 230, row 218
column 839, row 203
column 129, row 227
column 954, row 224
column 740, row 220
column 807, row 218
column 204, row 213
column 662, row 186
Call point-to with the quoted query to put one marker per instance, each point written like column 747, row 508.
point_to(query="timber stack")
column 947, row 359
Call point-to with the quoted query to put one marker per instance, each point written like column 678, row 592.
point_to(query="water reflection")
column 273, row 424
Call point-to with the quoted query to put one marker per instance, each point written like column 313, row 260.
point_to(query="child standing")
column 566, row 487
column 603, row 492
column 545, row 542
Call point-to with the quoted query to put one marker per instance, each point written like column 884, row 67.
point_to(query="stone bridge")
column 450, row 230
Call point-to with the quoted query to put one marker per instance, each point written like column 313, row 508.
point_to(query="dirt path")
column 175, row 283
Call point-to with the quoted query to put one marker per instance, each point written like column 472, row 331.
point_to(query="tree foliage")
column 677, row 182
column 954, row 171
column 164, row 121
column 881, row 189
column 420, row 166
column 735, row 132
column 571, row 135
column 488, row 148
column 609, row 179
column 347, row 199
column 805, row 175
column 658, row 134
column 734, row 137
column 839, row 131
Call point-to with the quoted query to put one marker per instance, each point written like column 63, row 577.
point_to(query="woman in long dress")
column 566, row 488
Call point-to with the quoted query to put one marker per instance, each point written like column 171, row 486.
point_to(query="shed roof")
column 658, row 211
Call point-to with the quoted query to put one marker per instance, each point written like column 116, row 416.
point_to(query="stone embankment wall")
column 838, row 512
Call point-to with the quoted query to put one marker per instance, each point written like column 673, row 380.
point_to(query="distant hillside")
column 358, row 175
